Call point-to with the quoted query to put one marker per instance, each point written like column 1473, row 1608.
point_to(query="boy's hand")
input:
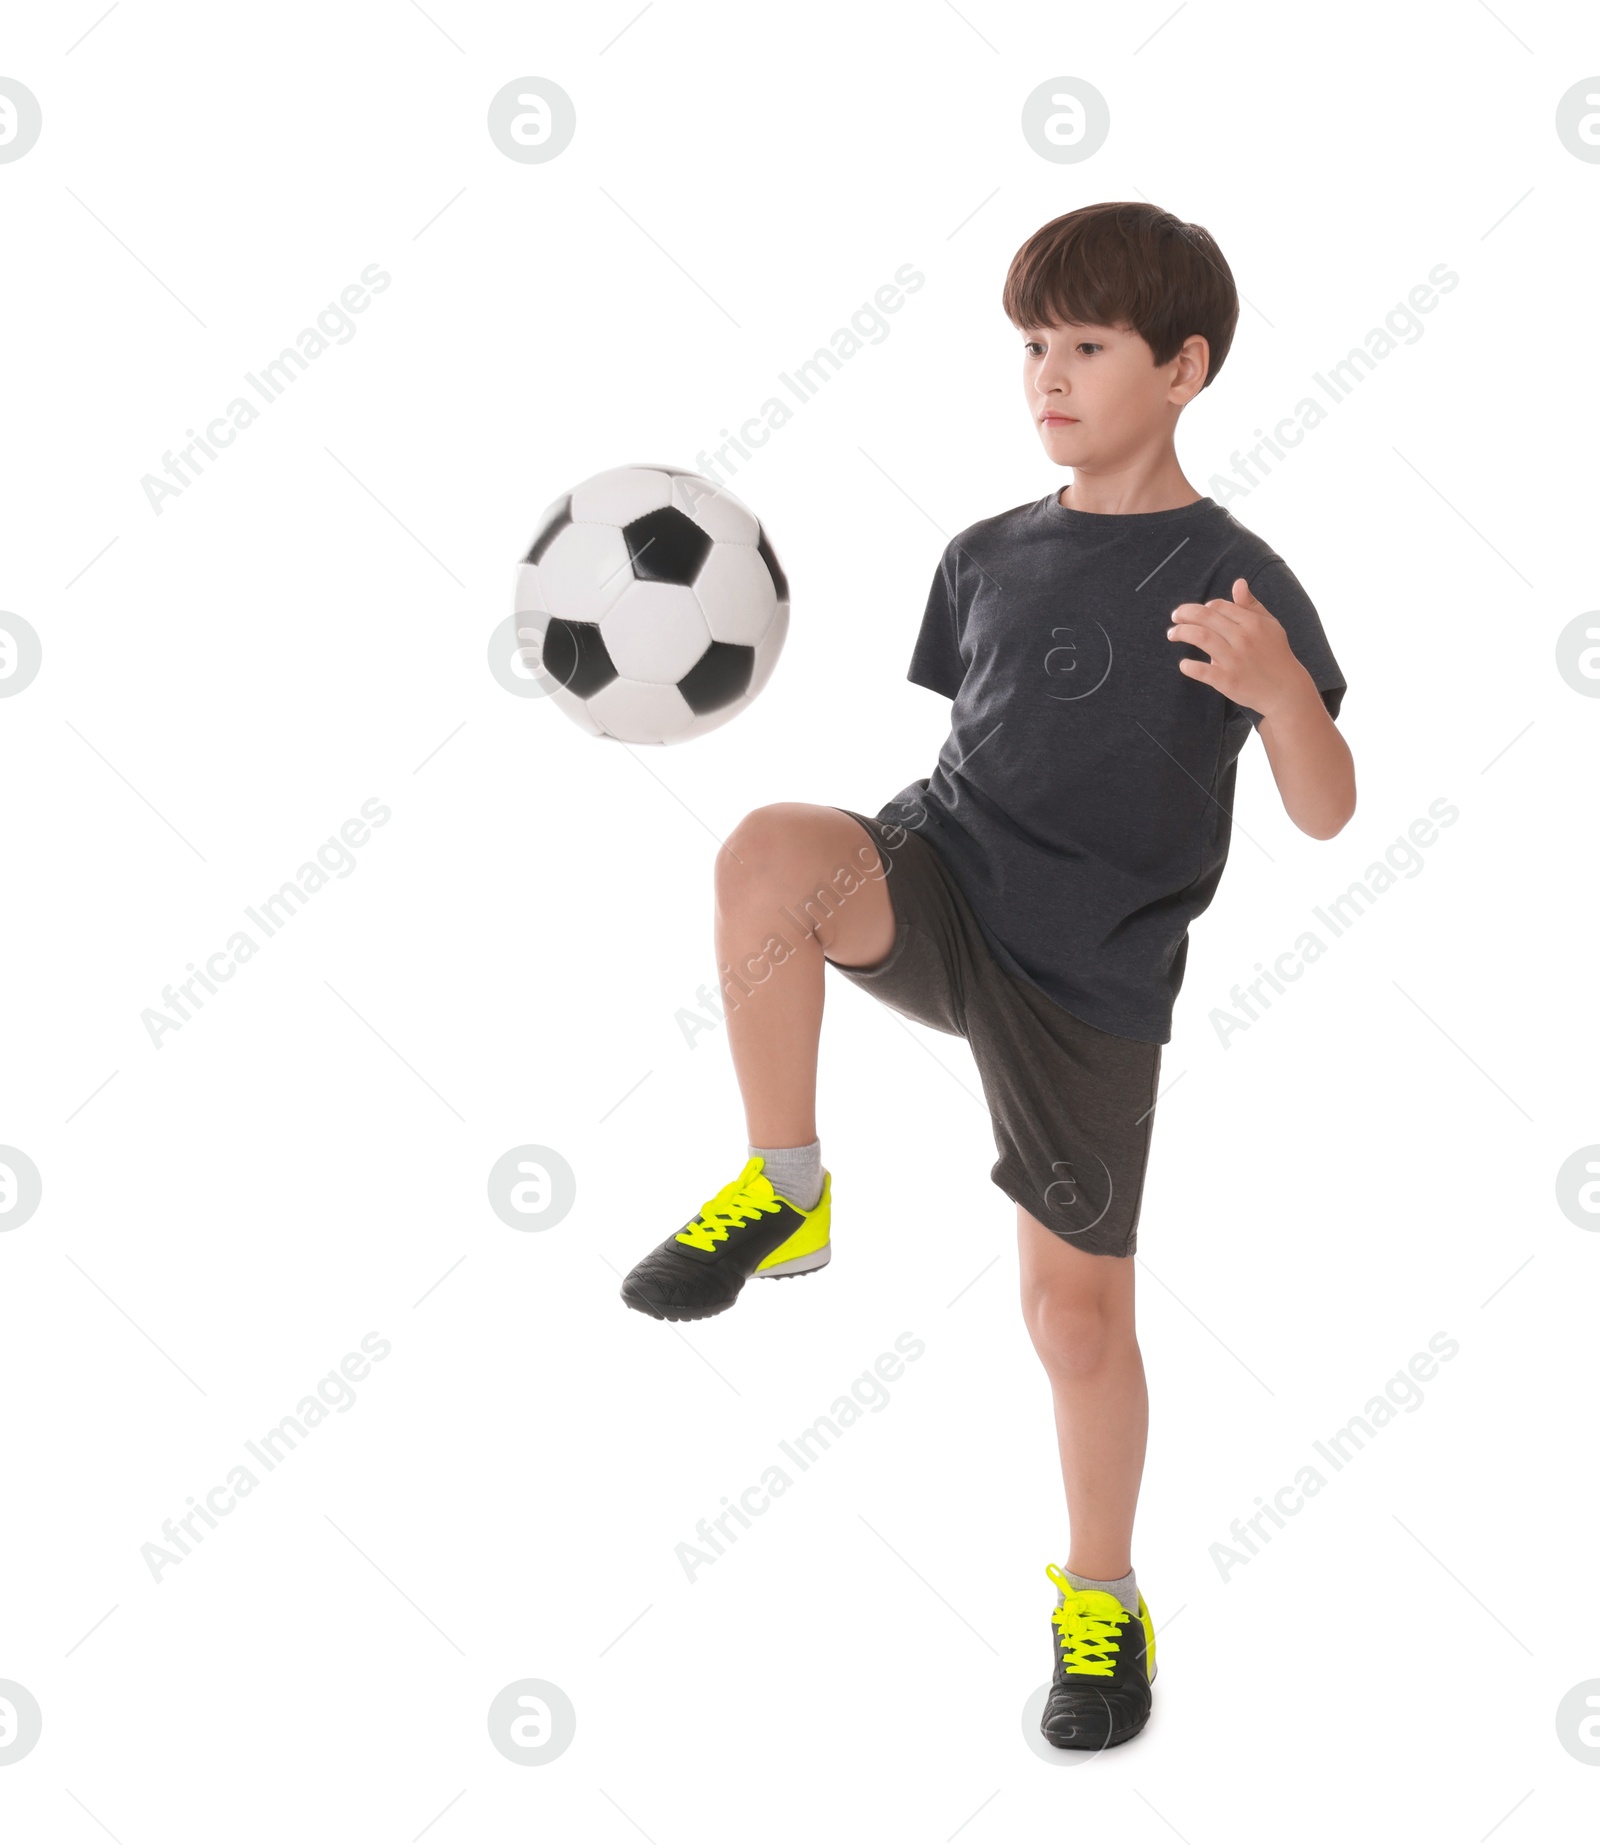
column 1251, row 661
column 1253, row 664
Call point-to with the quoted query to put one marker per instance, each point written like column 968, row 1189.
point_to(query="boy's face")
column 1096, row 395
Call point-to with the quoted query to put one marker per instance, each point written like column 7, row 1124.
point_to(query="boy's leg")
column 794, row 882
column 1079, row 1314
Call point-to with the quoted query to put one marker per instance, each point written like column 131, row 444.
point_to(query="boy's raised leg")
column 795, row 883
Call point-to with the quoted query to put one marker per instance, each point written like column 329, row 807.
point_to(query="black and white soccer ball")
column 652, row 603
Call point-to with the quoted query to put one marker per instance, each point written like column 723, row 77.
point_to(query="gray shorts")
column 1071, row 1105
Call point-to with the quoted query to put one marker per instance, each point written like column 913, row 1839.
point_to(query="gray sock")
column 1124, row 1588
column 795, row 1172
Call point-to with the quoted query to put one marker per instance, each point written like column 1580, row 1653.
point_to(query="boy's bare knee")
column 1075, row 1331
column 763, row 850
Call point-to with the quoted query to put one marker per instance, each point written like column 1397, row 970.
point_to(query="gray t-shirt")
column 1083, row 798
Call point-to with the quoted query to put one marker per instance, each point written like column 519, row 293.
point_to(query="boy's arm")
column 1252, row 663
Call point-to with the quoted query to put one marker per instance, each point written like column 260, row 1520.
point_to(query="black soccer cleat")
column 747, row 1229
column 1105, row 1659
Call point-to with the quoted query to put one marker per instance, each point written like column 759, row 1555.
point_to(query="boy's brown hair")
column 1126, row 264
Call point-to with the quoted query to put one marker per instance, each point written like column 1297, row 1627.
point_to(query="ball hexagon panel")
column 666, row 546
column 584, row 571
column 736, row 592
column 640, row 713
column 529, row 594
column 715, row 510
column 655, row 632
column 621, row 494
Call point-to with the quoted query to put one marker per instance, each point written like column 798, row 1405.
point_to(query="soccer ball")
column 652, row 603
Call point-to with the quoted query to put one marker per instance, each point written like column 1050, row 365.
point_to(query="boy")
column 1108, row 649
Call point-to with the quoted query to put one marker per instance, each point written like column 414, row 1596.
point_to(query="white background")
column 305, row 628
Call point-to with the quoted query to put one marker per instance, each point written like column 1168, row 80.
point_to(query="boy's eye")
column 1037, row 346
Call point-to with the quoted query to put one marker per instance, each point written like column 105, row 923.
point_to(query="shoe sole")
column 660, row 1313
column 797, row 1265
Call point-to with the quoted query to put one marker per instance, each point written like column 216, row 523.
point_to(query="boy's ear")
column 1202, row 348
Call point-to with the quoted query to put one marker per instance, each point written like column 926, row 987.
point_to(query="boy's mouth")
column 1055, row 416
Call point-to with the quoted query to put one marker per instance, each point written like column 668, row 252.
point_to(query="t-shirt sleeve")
column 936, row 659
column 1275, row 585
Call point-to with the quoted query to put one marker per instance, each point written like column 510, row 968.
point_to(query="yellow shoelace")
column 1087, row 1625
column 741, row 1201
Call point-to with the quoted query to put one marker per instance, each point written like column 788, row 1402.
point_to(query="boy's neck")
column 1129, row 490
